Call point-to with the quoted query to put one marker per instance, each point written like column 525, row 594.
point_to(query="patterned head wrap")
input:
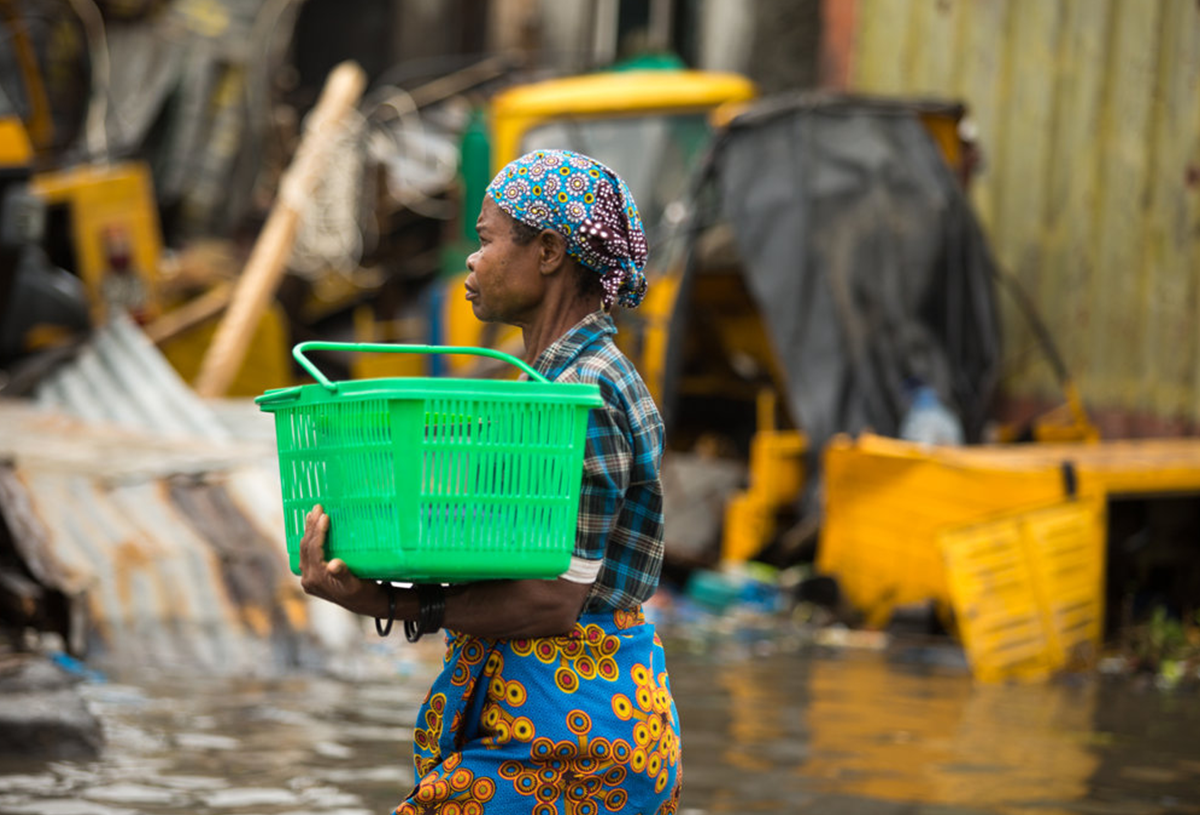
column 590, row 206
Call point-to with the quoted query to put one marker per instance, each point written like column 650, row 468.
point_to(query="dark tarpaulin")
column 864, row 259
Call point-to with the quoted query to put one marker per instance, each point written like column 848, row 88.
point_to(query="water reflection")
column 295, row 745
column 857, row 733
column 947, row 740
column 763, row 732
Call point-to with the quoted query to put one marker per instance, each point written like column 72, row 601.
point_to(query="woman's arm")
column 497, row 609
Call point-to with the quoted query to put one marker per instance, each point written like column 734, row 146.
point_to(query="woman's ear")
column 552, row 251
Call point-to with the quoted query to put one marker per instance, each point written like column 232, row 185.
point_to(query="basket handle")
column 398, row 348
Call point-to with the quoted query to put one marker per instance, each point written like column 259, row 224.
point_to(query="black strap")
column 384, row 630
column 431, row 602
column 1070, row 479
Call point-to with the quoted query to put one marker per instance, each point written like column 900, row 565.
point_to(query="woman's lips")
column 472, row 294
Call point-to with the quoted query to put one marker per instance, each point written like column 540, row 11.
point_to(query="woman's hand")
column 497, row 608
column 332, row 580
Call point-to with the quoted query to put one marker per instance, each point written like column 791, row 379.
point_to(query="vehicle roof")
column 521, row 108
column 625, row 91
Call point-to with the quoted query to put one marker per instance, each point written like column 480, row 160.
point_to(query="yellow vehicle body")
column 15, row 148
column 776, row 473
column 899, row 520
column 776, row 477
column 114, row 238
column 111, row 210
column 601, row 96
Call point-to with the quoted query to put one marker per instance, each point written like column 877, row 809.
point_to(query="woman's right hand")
column 332, row 580
column 493, row 609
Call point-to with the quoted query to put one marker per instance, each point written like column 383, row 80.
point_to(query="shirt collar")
column 563, row 351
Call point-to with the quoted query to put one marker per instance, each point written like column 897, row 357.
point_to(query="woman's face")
column 505, row 284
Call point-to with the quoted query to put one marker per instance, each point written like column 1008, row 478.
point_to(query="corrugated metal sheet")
column 170, row 555
column 159, row 520
column 120, row 377
column 1089, row 114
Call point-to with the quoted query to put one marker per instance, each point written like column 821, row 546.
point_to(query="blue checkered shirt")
column 620, row 503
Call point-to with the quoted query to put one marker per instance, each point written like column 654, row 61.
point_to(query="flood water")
column 766, row 729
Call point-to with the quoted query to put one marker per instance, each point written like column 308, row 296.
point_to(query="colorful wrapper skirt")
column 582, row 724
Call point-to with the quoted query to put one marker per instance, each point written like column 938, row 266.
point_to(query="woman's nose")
column 471, row 261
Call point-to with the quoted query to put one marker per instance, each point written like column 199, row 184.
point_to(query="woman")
column 554, row 696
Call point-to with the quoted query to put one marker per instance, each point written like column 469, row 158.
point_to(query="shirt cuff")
column 582, row 571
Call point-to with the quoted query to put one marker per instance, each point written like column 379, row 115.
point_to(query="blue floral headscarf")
column 590, row 206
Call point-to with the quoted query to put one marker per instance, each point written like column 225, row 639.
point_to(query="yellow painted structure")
column 111, row 208
column 15, row 149
column 886, row 501
column 267, row 363
column 1087, row 113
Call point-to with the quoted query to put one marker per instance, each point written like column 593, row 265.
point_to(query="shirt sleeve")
column 607, row 460
column 582, row 571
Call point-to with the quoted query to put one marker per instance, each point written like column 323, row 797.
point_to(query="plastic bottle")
column 928, row 421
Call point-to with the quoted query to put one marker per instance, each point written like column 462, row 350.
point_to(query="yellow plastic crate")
column 1027, row 588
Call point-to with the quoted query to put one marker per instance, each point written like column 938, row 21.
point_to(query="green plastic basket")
column 434, row 480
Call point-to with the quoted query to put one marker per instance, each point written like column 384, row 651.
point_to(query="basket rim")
column 498, row 390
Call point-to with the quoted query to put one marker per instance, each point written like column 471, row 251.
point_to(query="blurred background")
column 924, row 283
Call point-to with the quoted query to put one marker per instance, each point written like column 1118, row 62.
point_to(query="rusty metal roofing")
column 168, row 554
column 160, row 522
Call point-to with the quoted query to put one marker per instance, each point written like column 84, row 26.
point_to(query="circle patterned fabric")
column 590, row 206
column 582, row 724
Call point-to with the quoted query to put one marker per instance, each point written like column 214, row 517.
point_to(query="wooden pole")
column 265, row 267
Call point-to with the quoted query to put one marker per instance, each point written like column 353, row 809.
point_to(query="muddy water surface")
column 766, row 730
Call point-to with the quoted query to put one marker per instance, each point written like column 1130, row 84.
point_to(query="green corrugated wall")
column 1088, row 113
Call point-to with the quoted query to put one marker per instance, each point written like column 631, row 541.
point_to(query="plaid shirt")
column 620, row 504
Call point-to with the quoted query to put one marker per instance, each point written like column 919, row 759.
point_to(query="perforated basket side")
column 443, row 488
column 341, row 455
column 499, row 488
